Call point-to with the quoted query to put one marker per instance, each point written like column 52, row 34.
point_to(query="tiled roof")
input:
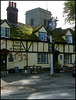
column 22, row 31
column 58, row 33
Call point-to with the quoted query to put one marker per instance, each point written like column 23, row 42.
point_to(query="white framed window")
column 67, row 58
column 42, row 58
column 43, row 36
column 68, row 39
column 5, row 32
column 2, row 32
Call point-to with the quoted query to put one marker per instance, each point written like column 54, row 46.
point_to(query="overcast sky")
column 55, row 7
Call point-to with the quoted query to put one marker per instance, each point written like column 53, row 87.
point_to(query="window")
column 5, row 32
column 43, row 36
column 42, row 58
column 45, row 22
column 2, row 32
column 67, row 58
column 60, row 57
column 68, row 39
column 32, row 22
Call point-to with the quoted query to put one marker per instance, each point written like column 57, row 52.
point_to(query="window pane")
column 45, row 58
column 69, row 39
column 39, row 58
column 42, row 58
column 67, row 58
column 7, row 32
column 43, row 36
column 2, row 32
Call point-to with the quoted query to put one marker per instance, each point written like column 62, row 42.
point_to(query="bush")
column 2, row 68
column 57, row 67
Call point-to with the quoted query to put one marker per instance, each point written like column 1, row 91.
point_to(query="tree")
column 69, row 11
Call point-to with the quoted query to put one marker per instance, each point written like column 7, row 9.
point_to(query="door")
column 55, row 58
column 3, row 62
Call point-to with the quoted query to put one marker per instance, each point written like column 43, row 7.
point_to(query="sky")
column 55, row 7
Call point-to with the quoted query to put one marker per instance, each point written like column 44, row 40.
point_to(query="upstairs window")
column 68, row 39
column 32, row 22
column 43, row 36
column 2, row 32
column 5, row 32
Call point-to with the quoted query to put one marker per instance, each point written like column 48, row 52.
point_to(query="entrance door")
column 55, row 58
column 3, row 62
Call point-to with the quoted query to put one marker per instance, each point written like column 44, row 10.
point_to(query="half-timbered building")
column 25, row 45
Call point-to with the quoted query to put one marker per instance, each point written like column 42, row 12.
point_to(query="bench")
column 35, row 69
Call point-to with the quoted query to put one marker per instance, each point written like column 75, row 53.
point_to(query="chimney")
column 15, row 5
column 12, row 13
column 9, row 4
column 12, row 4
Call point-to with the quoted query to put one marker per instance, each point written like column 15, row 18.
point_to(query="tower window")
column 45, row 22
column 32, row 22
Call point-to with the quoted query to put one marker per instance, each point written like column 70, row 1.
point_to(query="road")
column 39, row 86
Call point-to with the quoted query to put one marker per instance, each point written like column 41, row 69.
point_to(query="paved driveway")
column 39, row 86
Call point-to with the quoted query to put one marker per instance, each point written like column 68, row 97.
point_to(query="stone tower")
column 12, row 13
column 37, row 16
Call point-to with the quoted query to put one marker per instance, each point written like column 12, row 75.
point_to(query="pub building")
column 24, row 45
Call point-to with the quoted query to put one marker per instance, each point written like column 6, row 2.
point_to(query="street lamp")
column 51, row 27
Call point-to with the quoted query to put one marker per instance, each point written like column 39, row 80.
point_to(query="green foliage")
column 69, row 11
column 3, row 68
column 57, row 65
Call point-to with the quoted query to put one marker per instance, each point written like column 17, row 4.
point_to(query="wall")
column 38, row 15
column 5, row 25
column 19, row 60
column 65, row 48
column 19, row 54
column 32, row 60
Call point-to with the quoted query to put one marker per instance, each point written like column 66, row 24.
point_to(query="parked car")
column 74, row 69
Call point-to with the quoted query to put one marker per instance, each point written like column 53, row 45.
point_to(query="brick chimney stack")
column 12, row 13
